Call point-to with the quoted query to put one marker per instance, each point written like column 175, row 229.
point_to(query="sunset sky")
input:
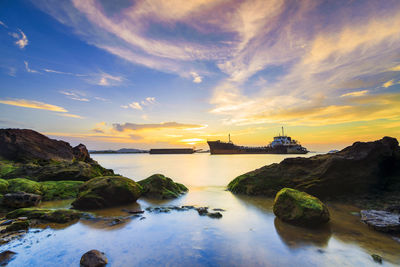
column 163, row 73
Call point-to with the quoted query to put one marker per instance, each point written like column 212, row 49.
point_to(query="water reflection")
column 295, row 237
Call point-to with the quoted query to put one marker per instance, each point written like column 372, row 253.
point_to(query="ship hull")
column 220, row 148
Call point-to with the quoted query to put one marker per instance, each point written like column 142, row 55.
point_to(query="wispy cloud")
column 22, row 39
column 32, row 104
column 196, row 77
column 75, row 95
column 388, row 84
column 3, row 24
column 65, row 73
column 109, row 80
column 71, row 115
column 139, row 105
column 29, row 69
column 357, row 93
column 136, row 126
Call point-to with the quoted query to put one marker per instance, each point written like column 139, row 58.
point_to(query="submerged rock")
column 161, row 187
column 6, row 257
column 381, row 220
column 21, row 200
column 93, row 258
column 357, row 169
column 297, row 207
column 376, row 258
column 48, row 215
column 107, row 191
column 216, row 215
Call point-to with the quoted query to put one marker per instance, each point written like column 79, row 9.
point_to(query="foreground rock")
column 49, row 190
column 106, row 191
column 6, row 257
column 300, row 208
column 21, row 200
column 47, row 215
column 94, row 258
column 29, row 154
column 381, row 220
column 357, row 169
column 161, row 187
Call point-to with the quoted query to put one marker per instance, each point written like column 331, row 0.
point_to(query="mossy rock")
column 18, row 225
column 161, row 187
column 3, row 186
column 23, row 185
column 107, row 191
column 6, row 167
column 49, row 215
column 52, row 190
column 300, row 208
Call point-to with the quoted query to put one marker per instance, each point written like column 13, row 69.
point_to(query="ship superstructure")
column 282, row 144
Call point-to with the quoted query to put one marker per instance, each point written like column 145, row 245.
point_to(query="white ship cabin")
column 281, row 140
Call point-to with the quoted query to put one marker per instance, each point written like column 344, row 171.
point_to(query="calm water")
column 247, row 235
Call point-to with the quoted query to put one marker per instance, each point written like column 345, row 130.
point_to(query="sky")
column 176, row 73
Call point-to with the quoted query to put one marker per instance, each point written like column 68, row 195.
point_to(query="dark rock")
column 21, row 200
column 107, row 191
column 203, row 211
column 116, row 222
column 6, row 222
column 188, row 207
column 216, row 215
column 18, row 225
column 381, row 220
column 357, row 169
column 94, row 258
column 133, row 211
column 161, row 187
column 81, row 153
column 218, row 210
column 48, row 215
column 393, row 209
column 6, row 257
column 300, row 208
column 376, row 258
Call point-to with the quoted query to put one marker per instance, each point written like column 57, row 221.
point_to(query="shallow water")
column 247, row 235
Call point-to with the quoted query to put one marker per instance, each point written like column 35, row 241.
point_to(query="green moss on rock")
column 159, row 186
column 49, row 215
column 18, row 225
column 6, row 167
column 3, row 186
column 298, row 207
column 23, row 185
column 107, row 191
column 52, row 190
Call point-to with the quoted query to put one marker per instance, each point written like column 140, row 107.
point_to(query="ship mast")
column 229, row 137
column 283, row 133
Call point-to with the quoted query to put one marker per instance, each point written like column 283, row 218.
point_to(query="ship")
column 282, row 144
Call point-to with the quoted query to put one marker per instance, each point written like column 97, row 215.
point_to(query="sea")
column 248, row 234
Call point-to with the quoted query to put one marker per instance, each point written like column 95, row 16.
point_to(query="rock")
column 161, row 187
column 3, row 186
column 18, row 225
column 48, row 215
column 21, row 200
column 6, row 257
column 393, row 209
column 23, row 185
column 133, row 211
column 107, row 191
column 218, row 209
column 216, row 215
column 53, row 190
column 381, row 220
column 299, row 208
column 357, row 169
column 94, row 258
column 6, row 222
column 376, row 258
column 29, row 154
column 203, row 211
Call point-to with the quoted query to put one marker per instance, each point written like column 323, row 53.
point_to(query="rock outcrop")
column 300, row 208
column 21, row 200
column 106, row 191
column 381, row 220
column 47, row 215
column 94, row 258
column 29, row 154
column 357, row 169
column 161, row 187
